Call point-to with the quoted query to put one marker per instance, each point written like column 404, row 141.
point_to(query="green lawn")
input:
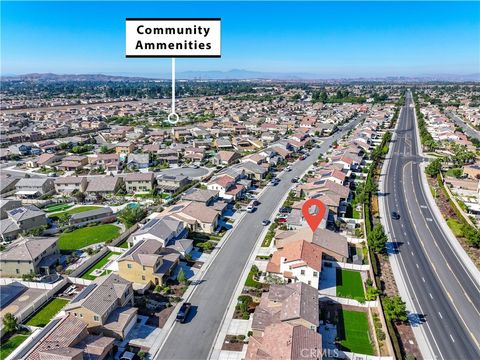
column 10, row 345
column 57, row 207
column 87, row 236
column 123, row 245
column 74, row 211
column 47, row 312
column 100, row 263
column 251, row 281
column 352, row 330
column 357, row 214
column 456, row 227
column 349, row 284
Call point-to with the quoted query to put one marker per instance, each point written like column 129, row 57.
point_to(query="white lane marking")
column 423, row 279
column 451, row 337
column 418, row 267
column 440, row 314
column 431, row 297
column 423, row 206
column 411, row 252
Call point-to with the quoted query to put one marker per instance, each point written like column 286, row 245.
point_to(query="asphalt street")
column 444, row 293
column 466, row 128
column 195, row 339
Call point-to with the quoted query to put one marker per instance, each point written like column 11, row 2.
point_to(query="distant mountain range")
column 237, row 74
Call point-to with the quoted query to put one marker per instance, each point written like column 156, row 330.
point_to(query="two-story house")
column 106, row 306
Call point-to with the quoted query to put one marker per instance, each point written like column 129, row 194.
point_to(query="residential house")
column 138, row 161
column 35, row 255
column 164, row 230
column 6, row 205
column 73, row 163
column 297, row 261
column 208, row 197
column 148, row 263
column 68, row 184
column 224, row 157
column 20, row 220
column 104, row 185
column 139, row 182
column 195, row 216
column 124, row 148
column 34, row 187
column 106, row 306
column 296, row 304
column 7, row 184
column 287, row 342
column 109, row 162
column 68, row 339
column 172, row 183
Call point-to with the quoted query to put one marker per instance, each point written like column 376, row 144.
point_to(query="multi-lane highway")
column 195, row 339
column 439, row 286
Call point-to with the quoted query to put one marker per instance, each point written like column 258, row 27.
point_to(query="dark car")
column 395, row 215
column 265, row 222
column 183, row 312
column 285, row 210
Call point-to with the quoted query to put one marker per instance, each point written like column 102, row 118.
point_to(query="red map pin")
column 313, row 211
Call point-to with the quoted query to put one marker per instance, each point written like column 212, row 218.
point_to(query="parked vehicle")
column 251, row 206
column 282, row 220
column 183, row 312
column 265, row 222
column 288, row 168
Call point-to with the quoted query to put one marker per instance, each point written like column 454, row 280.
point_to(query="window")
column 143, row 277
column 144, row 268
column 309, row 282
column 75, row 314
column 302, row 272
column 315, row 273
column 81, row 315
column 129, row 266
column 17, row 271
column 96, row 318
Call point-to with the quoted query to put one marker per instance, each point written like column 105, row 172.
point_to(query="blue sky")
column 335, row 39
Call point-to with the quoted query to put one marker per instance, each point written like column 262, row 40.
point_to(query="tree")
column 10, row 323
column 79, row 196
column 130, row 216
column 472, row 235
column 181, row 278
column 395, row 308
column 433, row 169
column 63, row 219
column 377, row 239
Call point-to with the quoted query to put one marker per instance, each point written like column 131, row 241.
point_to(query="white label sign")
column 173, row 38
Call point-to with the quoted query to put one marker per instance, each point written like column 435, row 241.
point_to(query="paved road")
column 195, row 339
column 470, row 131
column 439, row 285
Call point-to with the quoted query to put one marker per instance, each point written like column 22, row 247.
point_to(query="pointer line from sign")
column 173, row 113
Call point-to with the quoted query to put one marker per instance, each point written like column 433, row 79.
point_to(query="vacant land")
column 100, row 263
column 87, row 236
column 47, row 312
column 352, row 330
column 10, row 345
column 349, row 285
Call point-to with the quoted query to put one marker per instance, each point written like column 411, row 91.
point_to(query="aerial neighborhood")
column 110, row 219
